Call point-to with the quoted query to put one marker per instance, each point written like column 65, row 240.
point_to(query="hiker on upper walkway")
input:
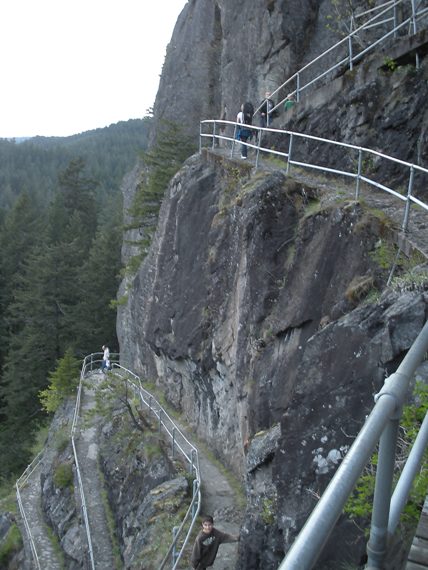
column 106, row 358
column 245, row 117
column 207, row 543
column 265, row 115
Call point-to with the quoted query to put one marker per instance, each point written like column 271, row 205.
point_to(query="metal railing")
column 381, row 425
column 357, row 163
column 353, row 47
column 20, row 483
column 189, row 453
column 90, row 363
column 76, row 460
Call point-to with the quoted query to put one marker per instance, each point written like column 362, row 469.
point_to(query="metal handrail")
column 417, row 13
column 90, row 362
column 357, row 173
column 76, row 460
column 380, row 423
column 180, row 442
column 19, row 484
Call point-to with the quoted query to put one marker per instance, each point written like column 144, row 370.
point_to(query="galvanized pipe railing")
column 309, row 543
column 188, row 451
column 346, row 54
column 357, row 173
column 86, row 362
column 19, row 485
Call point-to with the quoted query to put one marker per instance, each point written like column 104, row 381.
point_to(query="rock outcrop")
column 247, row 313
column 225, row 52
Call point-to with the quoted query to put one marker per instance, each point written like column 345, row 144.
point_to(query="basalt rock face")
column 251, row 310
column 228, row 51
column 247, row 313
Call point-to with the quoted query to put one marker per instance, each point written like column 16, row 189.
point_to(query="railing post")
column 174, row 548
column 173, row 442
column 290, row 146
column 195, row 490
column 192, row 461
column 377, row 545
column 360, row 161
column 200, row 137
column 408, row 202
column 395, row 20
column 297, row 87
column 414, row 26
column 160, row 421
column 259, row 138
column 233, row 142
column 350, row 53
column 214, row 135
column 150, row 403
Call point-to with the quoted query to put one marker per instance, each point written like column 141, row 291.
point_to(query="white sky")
column 72, row 66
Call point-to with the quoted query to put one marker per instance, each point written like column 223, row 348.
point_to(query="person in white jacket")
column 106, row 358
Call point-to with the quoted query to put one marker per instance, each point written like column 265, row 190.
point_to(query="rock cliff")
column 261, row 309
column 225, row 52
column 247, row 314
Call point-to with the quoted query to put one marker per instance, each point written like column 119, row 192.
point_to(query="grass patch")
column 8, row 496
column 63, row 476
column 11, row 545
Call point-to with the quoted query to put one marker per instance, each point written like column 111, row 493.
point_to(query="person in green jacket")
column 207, row 543
column 289, row 102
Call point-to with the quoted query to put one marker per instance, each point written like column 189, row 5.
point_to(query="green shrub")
column 359, row 505
column 11, row 544
column 63, row 476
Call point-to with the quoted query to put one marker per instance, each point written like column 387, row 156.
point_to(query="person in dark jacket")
column 266, row 106
column 207, row 543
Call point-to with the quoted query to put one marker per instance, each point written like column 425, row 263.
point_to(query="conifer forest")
column 60, row 243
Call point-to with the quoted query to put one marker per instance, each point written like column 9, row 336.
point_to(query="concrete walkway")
column 417, row 234
column 31, row 496
column 87, row 453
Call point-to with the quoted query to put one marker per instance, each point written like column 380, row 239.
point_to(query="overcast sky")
column 69, row 67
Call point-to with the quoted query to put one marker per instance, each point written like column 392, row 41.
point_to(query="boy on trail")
column 207, row 543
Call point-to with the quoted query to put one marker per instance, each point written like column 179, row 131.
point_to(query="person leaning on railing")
column 207, row 544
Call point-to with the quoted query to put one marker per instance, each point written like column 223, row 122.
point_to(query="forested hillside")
column 33, row 165
column 60, row 241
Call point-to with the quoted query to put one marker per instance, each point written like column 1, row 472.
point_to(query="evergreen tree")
column 99, row 279
column 62, row 382
column 161, row 162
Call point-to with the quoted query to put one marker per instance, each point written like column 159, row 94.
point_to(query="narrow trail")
column 416, row 235
column 87, row 452
column 31, row 496
column 219, row 500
